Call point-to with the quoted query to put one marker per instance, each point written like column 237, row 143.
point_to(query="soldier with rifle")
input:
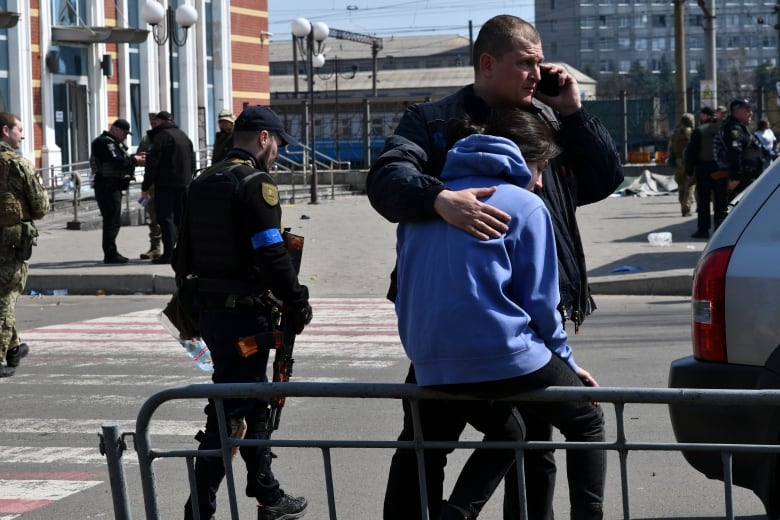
column 232, row 264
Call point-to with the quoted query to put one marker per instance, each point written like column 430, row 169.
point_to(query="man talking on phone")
column 403, row 186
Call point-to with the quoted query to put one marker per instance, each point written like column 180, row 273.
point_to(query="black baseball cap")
column 164, row 115
column 738, row 103
column 257, row 117
column 707, row 111
column 122, row 124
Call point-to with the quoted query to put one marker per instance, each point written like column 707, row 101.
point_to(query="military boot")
column 6, row 371
column 153, row 253
column 14, row 356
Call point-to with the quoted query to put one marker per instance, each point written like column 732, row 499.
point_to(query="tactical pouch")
column 182, row 309
column 28, row 240
column 10, row 210
column 10, row 237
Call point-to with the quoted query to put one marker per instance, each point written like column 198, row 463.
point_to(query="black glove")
column 300, row 317
column 299, row 312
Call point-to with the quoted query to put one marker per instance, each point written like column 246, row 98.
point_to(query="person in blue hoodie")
column 491, row 322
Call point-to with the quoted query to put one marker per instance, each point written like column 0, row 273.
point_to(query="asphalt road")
column 63, row 395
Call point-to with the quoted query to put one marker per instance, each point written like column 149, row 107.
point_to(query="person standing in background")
column 155, row 234
column 22, row 200
column 767, row 138
column 113, row 170
column 701, row 165
column 170, row 165
column 223, row 141
column 679, row 140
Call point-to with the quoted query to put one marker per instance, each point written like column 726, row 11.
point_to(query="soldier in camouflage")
column 22, row 200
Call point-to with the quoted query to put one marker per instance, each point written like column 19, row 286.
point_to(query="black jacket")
column 170, row 158
column 110, row 162
column 589, row 170
column 745, row 155
column 231, row 234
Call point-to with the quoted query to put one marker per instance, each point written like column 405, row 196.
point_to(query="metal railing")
column 64, row 182
column 113, row 441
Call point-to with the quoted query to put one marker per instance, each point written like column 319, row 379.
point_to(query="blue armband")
column 267, row 237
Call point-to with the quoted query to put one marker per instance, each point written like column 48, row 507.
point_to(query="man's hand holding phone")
column 557, row 89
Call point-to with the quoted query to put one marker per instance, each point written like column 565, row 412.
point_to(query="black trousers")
column 221, row 329
column 709, row 190
column 108, row 195
column 169, row 204
column 443, row 423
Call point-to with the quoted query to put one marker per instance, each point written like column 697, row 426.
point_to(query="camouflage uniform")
column 22, row 200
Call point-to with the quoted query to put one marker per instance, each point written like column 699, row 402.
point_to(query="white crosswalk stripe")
column 99, row 358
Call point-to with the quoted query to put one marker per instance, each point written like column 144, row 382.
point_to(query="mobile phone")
column 548, row 85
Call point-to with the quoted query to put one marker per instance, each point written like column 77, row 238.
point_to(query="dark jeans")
column 484, row 469
column 108, row 195
column 221, row 329
column 442, row 421
column 169, row 204
column 577, row 421
column 709, row 190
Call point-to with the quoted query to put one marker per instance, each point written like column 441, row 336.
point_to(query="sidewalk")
column 350, row 251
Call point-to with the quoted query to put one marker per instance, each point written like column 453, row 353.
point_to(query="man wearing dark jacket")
column 403, row 186
column 744, row 153
column 113, row 169
column 170, row 164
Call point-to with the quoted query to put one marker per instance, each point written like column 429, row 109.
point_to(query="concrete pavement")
column 349, row 250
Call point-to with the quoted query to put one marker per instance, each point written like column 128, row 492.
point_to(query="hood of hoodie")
column 480, row 155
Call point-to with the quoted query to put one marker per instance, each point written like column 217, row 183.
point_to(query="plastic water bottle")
column 196, row 348
column 663, row 238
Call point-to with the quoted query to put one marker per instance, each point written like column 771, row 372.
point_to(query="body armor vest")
column 217, row 250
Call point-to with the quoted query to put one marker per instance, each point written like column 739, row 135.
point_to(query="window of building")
column 624, row 21
column 640, row 44
column 640, row 20
column 695, row 20
column 624, row 66
column 587, row 44
column 69, row 12
column 606, row 43
column 605, row 66
column 659, row 44
column 587, row 22
column 659, row 20
column 139, row 122
column 624, row 43
column 603, row 21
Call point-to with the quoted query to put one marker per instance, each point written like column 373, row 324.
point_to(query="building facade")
column 608, row 36
column 68, row 68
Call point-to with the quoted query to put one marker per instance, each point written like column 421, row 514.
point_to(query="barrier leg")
column 112, row 446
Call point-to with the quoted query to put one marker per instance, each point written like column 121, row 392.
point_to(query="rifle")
column 281, row 339
column 283, row 360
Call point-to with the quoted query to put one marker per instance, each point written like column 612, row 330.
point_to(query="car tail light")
column 709, row 301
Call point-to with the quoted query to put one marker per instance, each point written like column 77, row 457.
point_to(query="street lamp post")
column 314, row 35
column 335, row 73
column 185, row 17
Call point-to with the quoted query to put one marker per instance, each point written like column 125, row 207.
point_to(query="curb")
column 100, row 284
column 643, row 285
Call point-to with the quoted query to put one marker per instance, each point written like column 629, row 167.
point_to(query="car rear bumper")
column 727, row 424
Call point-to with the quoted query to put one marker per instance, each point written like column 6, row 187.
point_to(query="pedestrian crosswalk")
column 82, row 374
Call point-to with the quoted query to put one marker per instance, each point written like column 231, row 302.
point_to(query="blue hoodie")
column 471, row 310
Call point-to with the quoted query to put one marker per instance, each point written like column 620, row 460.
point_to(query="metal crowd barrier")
column 113, row 441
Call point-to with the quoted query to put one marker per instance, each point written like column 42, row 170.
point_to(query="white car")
column 736, row 341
